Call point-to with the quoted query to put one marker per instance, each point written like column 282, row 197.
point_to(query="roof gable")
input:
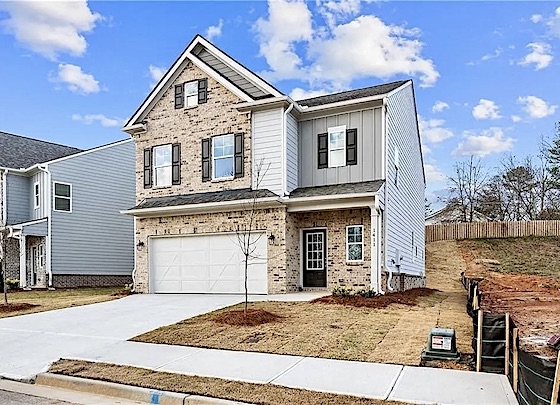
column 17, row 152
column 232, row 75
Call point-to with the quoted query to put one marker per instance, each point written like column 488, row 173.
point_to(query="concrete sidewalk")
column 371, row 380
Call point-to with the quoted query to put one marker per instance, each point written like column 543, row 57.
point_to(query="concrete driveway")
column 29, row 343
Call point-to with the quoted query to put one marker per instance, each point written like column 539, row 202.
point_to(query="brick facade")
column 12, row 259
column 402, row 282
column 95, row 280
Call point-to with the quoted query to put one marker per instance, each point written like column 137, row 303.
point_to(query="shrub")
column 366, row 293
column 339, row 291
column 12, row 284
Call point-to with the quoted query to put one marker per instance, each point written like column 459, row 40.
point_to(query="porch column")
column 22, row 261
column 374, row 251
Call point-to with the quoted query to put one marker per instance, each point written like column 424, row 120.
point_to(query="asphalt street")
column 15, row 398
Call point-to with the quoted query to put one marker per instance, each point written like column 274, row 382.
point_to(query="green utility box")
column 442, row 345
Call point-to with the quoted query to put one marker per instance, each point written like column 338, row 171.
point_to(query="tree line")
column 518, row 190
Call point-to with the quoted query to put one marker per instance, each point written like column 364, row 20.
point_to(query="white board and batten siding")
column 95, row 238
column 207, row 263
column 404, row 209
column 291, row 153
column 267, row 148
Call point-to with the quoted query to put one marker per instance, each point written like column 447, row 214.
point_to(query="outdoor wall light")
column 140, row 246
column 271, row 239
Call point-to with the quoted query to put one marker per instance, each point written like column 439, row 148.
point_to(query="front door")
column 315, row 258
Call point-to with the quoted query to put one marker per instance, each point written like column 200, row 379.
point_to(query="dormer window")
column 191, row 94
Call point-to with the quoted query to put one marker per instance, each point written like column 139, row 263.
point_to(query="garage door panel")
column 206, row 263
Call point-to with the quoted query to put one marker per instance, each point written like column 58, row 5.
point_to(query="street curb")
column 145, row 395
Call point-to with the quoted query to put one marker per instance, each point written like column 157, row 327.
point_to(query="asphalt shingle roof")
column 17, row 152
column 337, row 189
column 352, row 94
column 201, row 198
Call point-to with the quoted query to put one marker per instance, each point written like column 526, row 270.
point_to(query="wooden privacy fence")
column 477, row 230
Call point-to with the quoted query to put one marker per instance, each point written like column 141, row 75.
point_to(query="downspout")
column 4, row 197
column 45, row 169
column 285, row 149
column 135, row 259
column 376, row 246
column 387, row 210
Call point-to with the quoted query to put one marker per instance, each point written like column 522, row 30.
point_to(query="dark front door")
column 315, row 258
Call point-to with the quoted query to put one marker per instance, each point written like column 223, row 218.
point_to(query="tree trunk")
column 246, row 289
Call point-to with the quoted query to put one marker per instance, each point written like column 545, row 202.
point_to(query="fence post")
column 556, row 387
column 515, row 359
column 479, row 341
column 475, row 298
column 507, row 344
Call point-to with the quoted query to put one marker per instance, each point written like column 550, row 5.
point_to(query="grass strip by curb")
column 266, row 394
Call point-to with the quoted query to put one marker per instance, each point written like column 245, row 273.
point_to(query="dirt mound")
column 14, row 307
column 252, row 317
column 409, row 297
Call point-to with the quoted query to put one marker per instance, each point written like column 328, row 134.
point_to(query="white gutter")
column 343, row 103
column 285, row 150
column 4, row 197
column 48, row 253
column 384, row 145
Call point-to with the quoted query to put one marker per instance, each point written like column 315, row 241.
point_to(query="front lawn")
column 45, row 300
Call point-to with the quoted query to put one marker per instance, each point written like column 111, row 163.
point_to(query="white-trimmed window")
column 62, row 197
column 191, row 94
column 337, row 146
column 354, row 243
column 222, row 157
column 36, row 195
column 162, row 165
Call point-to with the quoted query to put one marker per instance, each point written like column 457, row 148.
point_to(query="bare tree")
column 247, row 237
column 467, row 185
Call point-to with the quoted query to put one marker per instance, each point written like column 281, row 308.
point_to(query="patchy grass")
column 393, row 333
column 45, row 300
column 266, row 394
column 410, row 298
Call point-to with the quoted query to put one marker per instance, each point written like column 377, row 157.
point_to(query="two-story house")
column 340, row 182
column 60, row 210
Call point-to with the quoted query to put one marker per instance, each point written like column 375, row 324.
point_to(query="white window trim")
column 355, row 243
column 36, row 195
column 68, row 198
column 154, row 167
column 223, row 157
column 186, row 96
column 336, row 129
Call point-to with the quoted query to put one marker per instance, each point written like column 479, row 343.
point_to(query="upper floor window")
column 354, row 243
column 222, row 156
column 337, row 147
column 162, row 165
column 63, row 197
column 36, row 195
column 192, row 93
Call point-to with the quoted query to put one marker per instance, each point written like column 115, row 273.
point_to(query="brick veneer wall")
column 12, row 259
column 402, row 282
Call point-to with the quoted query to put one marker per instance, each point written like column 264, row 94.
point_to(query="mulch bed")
column 253, row 317
column 409, row 297
column 14, row 307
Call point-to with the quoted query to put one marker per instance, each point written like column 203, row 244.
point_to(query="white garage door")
column 206, row 264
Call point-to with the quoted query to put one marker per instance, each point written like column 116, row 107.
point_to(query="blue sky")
column 486, row 74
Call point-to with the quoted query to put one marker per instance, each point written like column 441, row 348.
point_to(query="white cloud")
column 553, row 23
column 485, row 143
column 433, row 174
column 515, row 118
column 433, row 130
column 215, row 31
column 493, row 55
column 439, row 106
column 76, row 79
column 89, row 119
column 486, row 110
column 50, row 27
column 334, row 11
column 540, row 55
column 156, row 73
column 301, row 94
column 536, row 107
column 536, row 18
column 335, row 55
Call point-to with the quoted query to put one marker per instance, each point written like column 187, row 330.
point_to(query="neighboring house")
column 61, row 209
column 453, row 213
column 341, row 202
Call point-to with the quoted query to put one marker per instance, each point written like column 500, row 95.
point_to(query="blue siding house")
column 60, row 207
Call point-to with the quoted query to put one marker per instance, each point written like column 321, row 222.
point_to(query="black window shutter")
column 238, row 155
column 176, row 163
column 147, row 167
column 351, row 146
column 179, row 96
column 202, row 91
column 323, row 150
column 206, row 144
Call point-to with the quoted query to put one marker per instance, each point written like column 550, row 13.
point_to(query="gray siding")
column 17, row 192
column 230, row 74
column 42, row 210
column 369, row 167
column 291, row 153
column 40, row 229
column 95, row 238
column 267, row 148
column 404, row 209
